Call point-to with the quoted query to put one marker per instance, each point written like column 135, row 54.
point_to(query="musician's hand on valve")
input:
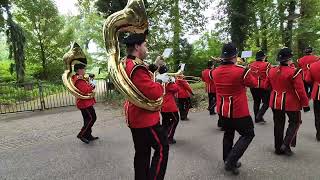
column 153, row 68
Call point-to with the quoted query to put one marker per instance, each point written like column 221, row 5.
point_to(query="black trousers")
column 144, row 139
column 308, row 88
column 184, row 106
column 170, row 122
column 279, row 118
column 212, row 102
column 233, row 152
column 89, row 118
column 316, row 106
column 260, row 95
column 220, row 121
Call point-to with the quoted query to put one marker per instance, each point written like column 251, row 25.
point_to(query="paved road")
column 43, row 146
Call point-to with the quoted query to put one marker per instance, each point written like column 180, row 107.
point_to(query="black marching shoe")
column 172, row 141
column 318, row 137
column 83, row 139
column 279, row 152
column 286, row 150
column 260, row 121
column 238, row 164
column 212, row 113
column 92, row 138
column 234, row 169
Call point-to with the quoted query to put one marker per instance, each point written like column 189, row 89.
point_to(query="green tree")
column 47, row 39
column 307, row 31
column 15, row 41
column 239, row 17
column 107, row 7
column 209, row 45
column 2, row 20
column 169, row 21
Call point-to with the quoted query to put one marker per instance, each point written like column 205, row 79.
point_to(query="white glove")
column 92, row 83
column 163, row 77
column 172, row 80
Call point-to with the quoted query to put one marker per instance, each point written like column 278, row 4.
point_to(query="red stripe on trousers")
column 161, row 155
column 296, row 130
column 175, row 120
column 88, row 123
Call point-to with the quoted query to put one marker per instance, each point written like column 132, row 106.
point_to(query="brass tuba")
column 132, row 18
column 73, row 56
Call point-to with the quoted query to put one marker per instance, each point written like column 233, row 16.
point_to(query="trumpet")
column 194, row 79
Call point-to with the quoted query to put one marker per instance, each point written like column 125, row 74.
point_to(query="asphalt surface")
column 44, row 146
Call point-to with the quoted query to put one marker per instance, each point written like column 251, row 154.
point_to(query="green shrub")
column 13, row 94
column 5, row 75
column 199, row 99
column 115, row 99
column 199, row 85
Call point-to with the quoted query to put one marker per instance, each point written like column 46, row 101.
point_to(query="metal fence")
column 42, row 95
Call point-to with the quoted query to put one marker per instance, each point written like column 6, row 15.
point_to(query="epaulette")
column 137, row 61
column 296, row 73
column 136, row 66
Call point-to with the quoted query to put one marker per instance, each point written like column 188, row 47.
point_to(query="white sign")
column 182, row 66
column 246, row 54
column 167, row 52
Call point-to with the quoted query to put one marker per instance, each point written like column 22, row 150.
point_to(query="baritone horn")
column 133, row 19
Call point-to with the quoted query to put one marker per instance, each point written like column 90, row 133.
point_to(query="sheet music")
column 167, row 53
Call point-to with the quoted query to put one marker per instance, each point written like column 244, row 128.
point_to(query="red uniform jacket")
column 85, row 88
column 288, row 91
column 306, row 61
column 259, row 69
column 169, row 103
column 231, row 81
column 142, row 79
column 207, row 79
column 313, row 76
column 184, row 89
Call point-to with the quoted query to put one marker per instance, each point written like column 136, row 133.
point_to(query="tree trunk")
column 301, row 37
column 307, row 35
column 16, row 41
column 239, row 18
column 257, row 38
column 288, row 30
column 264, row 34
column 42, row 53
column 281, row 8
column 43, row 59
column 176, row 34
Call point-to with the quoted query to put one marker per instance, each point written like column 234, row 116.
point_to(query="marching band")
column 284, row 88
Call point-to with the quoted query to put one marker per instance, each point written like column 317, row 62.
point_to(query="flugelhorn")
column 132, row 18
column 73, row 56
